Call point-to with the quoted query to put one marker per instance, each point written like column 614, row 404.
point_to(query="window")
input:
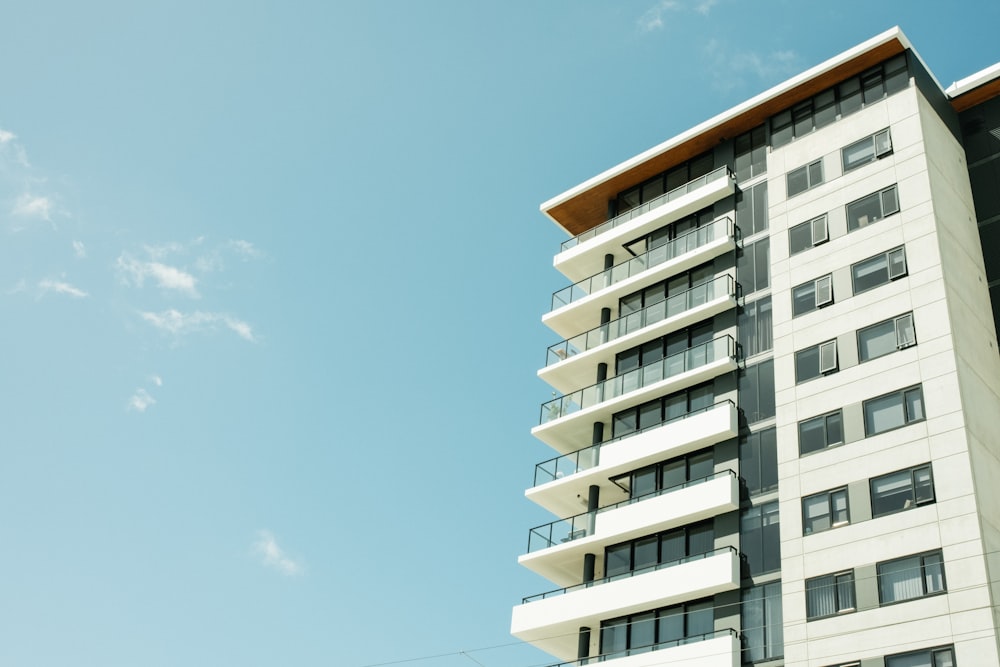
column 759, row 461
column 755, row 331
column 801, row 179
column 662, row 410
column 885, row 337
column 664, row 182
column 910, row 577
column 902, row 490
column 755, row 391
column 935, row 657
column 873, row 207
column 893, row 410
column 751, row 210
column 867, row 150
column 760, row 543
column 667, row 547
column 812, row 295
column 751, row 154
column 808, row 234
column 829, row 595
column 879, row 270
column 660, row 628
column 763, row 632
column 821, row 432
column 667, row 475
column 753, row 266
column 824, row 511
column 815, row 361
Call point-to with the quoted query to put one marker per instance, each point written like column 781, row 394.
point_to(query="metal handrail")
column 580, row 662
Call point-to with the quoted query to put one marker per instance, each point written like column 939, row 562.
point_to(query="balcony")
column 717, row 649
column 566, row 421
column 562, row 482
column 571, row 363
column 556, row 550
column 582, row 254
column 577, row 306
column 552, row 623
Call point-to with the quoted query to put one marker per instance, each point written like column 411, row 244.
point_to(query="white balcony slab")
column 587, row 258
column 567, row 495
column 572, row 431
column 552, row 624
column 722, row 651
column 578, row 370
column 585, row 313
column 562, row 563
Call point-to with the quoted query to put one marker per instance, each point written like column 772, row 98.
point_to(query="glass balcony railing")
column 644, row 376
column 683, row 244
column 590, row 457
column 626, row 575
column 670, row 643
column 582, row 525
column 632, row 213
column 671, row 306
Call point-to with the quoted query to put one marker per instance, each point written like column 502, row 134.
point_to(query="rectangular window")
column 878, row 270
column 763, row 632
column 824, row 511
column 873, row 207
column 935, row 657
column 812, row 295
column 760, row 541
column 902, row 490
column 821, row 432
column 659, row 628
column 911, row 577
column 815, row 361
column 755, row 330
column 886, row 337
column 751, row 210
column 759, row 461
column 753, row 266
column 751, row 154
column 755, row 391
column 830, row 595
column 894, row 410
column 867, row 150
column 801, row 179
column 808, row 234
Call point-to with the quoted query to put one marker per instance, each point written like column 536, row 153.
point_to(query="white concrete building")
column 778, row 435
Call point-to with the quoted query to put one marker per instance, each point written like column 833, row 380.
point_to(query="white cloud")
column 178, row 323
column 140, row 400
column 731, row 70
column 273, row 556
column 245, row 249
column 30, row 206
column 60, row 287
column 135, row 272
column 79, row 249
column 6, row 136
column 156, row 379
column 705, row 6
column 653, row 18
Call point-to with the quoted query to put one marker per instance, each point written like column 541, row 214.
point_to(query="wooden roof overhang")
column 580, row 211
column 977, row 95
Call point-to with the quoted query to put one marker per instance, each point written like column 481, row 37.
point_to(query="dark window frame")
column 813, row 174
column 908, row 419
column 922, row 563
column 841, row 491
column 903, row 329
column 914, row 500
column 825, row 420
column 813, row 290
column 877, row 151
column 948, row 652
column 888, row 204
column 834, row 582
column 818, row 232
column 823, row 369
column 896, row 267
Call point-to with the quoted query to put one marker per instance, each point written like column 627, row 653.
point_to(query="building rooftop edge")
column 973, row 81
column 894, row 33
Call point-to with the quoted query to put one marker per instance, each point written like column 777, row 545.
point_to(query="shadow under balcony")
column 571, row 362
column 578, row 306
column 561, row 484
column 584, row 253
column 567, row 421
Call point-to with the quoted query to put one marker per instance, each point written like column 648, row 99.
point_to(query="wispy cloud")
column 244, row 249
column 705, row 6
column 6, row 136
column 33, row 206
column 140, row 400
column 156, row 379
column 60, row 287
column 271, row 555
column 178, row 323
column 730, row 70
column 135, row 272
column 79, row 249
column 653, row 18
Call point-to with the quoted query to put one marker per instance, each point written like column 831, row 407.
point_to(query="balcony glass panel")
column 645, row 649
column 675, row 364
column 675, row 305
column 689, row 242
column 631, row 214
column 627, row 575
column 582, row 525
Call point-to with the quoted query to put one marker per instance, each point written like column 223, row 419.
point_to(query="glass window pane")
column 804, row 298
column 859, row 153
column 643, row 481
column 673, row 546
column 797, row 181
column 670, row 625
column 864, row 211
column 807, row 364
column 883, row 414
column 812, row 435
column 614, row 636
column 700, row 465
column 700, row 619
column 800, row 237
column 850, row 96
column 933, row 573
column 701, row 539
column 673, row 473
column 900, row 580
column 834, row 429
column 876, row 341
column 646, row 553
column 617, row 560
column 870, row 273
column 914, row 405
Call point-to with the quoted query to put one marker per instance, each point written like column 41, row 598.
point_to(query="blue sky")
column 271, row 277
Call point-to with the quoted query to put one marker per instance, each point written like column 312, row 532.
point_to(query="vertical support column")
column 583, row 645
column 593, row 500
column 609, row 261
column 605, row 318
